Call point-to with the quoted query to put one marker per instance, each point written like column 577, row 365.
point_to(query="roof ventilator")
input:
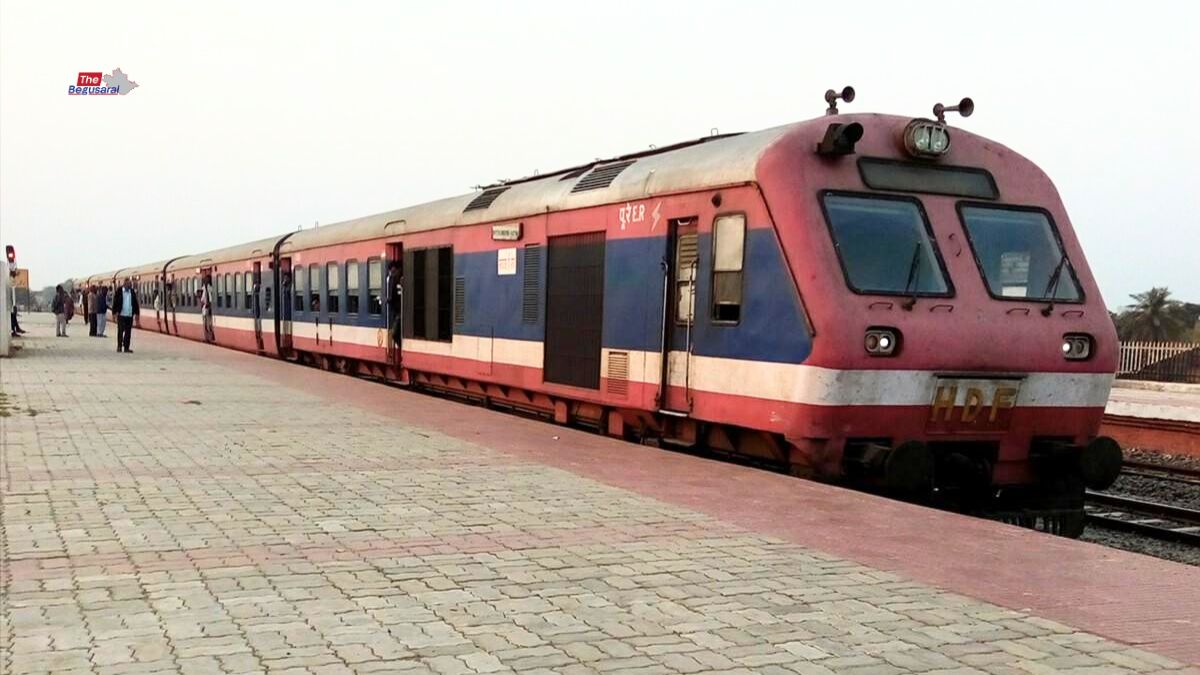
column 484, row 199
column 601, row 177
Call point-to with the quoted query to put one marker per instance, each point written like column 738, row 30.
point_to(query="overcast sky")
column 253, row 118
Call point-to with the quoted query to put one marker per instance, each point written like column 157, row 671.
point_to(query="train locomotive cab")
column 966, row 352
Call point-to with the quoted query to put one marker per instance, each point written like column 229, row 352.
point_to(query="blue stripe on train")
column 772, row 326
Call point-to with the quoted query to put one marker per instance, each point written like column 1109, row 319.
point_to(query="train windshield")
column 884, row 245
column 1019, row 254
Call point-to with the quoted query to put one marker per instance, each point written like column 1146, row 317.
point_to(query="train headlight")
column 926, row 138
column 1077, row 346
column 881, row 341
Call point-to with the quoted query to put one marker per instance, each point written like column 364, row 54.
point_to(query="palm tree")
column 1153, row 316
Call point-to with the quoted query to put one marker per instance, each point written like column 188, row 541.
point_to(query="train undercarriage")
column 945, row 475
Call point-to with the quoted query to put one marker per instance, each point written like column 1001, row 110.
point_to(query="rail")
column 1152, row 519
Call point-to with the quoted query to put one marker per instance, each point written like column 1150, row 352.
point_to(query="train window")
column 884, row 245
column 237, row 291
column 220, row 284
column 298, row 285
column 314, row 288
column 729, row 246
column 267, row 299
column 228, row 291
column 1019, row 253
column 248, row 290
column 352, row 282
column 374, row 286
column 333, row 285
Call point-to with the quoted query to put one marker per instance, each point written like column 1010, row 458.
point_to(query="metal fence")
column 1160, row 361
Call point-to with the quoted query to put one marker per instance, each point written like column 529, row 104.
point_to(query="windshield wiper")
column 914, row 278
column 1052, row 285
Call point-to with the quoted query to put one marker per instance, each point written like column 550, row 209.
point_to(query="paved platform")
column 196, row 510
column 1179, row 402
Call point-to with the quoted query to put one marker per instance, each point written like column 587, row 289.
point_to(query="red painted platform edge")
column 1127, row 597
column 1174, row 437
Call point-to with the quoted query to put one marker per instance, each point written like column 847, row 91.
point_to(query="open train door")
column 283, row 305
column 680, row 267
column 255, row 291
column 394, row 305
column 171, row 301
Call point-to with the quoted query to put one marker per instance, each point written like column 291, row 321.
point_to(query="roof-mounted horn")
column 965, row 107
column 831, row 97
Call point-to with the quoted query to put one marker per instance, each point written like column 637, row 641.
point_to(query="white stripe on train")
column 790, row 382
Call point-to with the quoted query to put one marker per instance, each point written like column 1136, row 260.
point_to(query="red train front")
column 959, row 337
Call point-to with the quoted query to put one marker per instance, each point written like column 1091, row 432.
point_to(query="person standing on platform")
column 59, row 307
column 125, row 307
column 89, row 306
column 101, row 310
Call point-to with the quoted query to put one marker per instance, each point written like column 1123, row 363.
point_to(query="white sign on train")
column 506, row 232
column 631, row 213
column 506, row 262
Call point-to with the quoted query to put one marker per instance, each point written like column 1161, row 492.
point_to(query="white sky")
column 252, row 118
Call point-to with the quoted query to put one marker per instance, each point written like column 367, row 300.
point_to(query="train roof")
column 253, row 249
column 708, row 162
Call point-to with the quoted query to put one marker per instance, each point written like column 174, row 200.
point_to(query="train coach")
column 872, row 298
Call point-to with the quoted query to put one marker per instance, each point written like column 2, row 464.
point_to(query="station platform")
column 191, row 509
column 1153, row 400
column 1160, row 417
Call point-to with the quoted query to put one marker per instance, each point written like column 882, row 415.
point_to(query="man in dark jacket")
column 125, row 307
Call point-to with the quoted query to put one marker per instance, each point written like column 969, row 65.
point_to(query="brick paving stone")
column 164, row 513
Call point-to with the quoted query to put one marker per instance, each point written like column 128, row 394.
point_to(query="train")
column 885, row 301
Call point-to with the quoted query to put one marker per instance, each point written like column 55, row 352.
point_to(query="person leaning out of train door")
column 125, row 307
column 206, row 309
column 101, row 310
column 395, row 289
column 59, row 307
column 157, row 308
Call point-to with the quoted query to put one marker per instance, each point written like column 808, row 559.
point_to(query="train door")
column 394, row 307
column 574, row 309
column 171, row 301
column 680, row 270
column 255, row 292
column 283, row 306
column 207, row 300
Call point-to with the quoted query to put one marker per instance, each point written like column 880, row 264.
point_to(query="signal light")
column 10, row 253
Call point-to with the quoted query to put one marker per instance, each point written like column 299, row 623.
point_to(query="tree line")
column 1157, row 317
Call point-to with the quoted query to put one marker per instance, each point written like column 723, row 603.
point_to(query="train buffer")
column 187, row 508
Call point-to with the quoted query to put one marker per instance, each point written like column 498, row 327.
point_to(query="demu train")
column 876, row 299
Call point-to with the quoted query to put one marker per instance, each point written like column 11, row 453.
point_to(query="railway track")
column 1179, row 474
column 1152, row 519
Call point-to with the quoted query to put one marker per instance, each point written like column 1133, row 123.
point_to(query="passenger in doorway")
column 59, row 307
column 395, row 288
column 206, row 310
column 125, row 307
column 89, row 306
column 101, row 310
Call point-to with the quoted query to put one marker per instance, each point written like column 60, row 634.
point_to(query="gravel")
column 1155, row 490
